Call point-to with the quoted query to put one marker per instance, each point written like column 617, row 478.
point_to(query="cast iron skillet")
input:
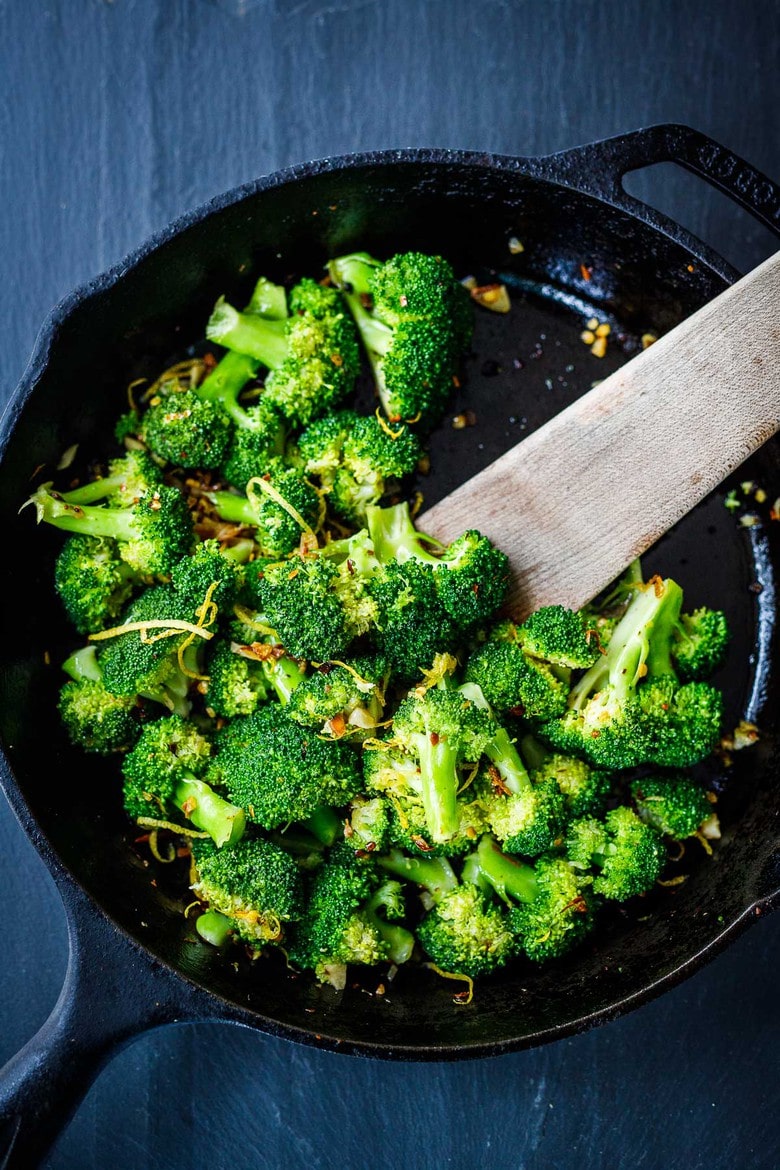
column 588, row 247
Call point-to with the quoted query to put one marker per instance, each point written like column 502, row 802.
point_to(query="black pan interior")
column 579, row 259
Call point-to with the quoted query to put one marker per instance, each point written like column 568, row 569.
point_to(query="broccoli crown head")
column 254, row 882
column 320, row 445
column 368, row 824
column 585, row 789
column 236, row 685
column 412, row 625
column 187, row 431
column 471, row 579
column 409, row 828
column 132, row 664
column 162, row 532
column 511, row 681
column 329, row 932
column 347, row 699
column 128, row 426
column 628, row 854
column 699, row 643
column 559, row 636
column 322, row 359
column 166, row 751
column 674, row 804
column 373, row 460
column 301, row 601
column 254, row 446
column 530, row 821
column 131, row 476
column 279, row 529
column 278, row 771
column 93, row 582
column 438, row 716
column 466, row 935
column 560, row 915
column 96, row 720
column 680, row 725
column 208, row 572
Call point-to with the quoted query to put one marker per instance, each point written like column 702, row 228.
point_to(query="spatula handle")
column 592, row 489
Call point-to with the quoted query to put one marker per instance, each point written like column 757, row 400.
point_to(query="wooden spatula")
column 580, row 498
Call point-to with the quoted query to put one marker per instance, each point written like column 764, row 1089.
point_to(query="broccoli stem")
column 246, row 333
column 659, row 658
column 283, row 675
column 509, row 878
column 117, row 523
column 235, row 509
column 624, row 663
column 501, row 751
column 395, row 537
column 400, row 941
column 83, row 663
column 95, row 490
column 214, row 928
column 324, row 824
column 353, row 275
column 435, row 874
column 206, row 810
column 439, row 785
column 225, row 383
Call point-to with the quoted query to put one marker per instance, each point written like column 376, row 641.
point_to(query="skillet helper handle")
column 600, row 168
column 591, row 490
column 112, row 992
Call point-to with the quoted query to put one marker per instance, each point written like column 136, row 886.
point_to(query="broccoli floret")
column 557, row 636
column 673, row 804
column 358, row 460
column 346, row 920
column 411, row 626
column 187, row 431
column 301, row 601
column 409, row 827
column 254, row 883
column 131, row 476
column 93, row 582
column 95, row 720
column 153, row 532
column 253, row 448
column 142, row 661
column 513, row 681
column 418, row 325
column 699, row 643
column 368, row 824
column 626, row 853
column 312, row 355
column 585, row 789
column 340, row 700
column 279, row 504
column 236, row 685
column 470, row 575
column 628, row 708
column 551, row 909
column 209, row 572
column 526, row 817
column 441, row 730
column 280, row 772
column 162, row 777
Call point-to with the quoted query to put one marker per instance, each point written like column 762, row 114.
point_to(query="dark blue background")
column 115, row 116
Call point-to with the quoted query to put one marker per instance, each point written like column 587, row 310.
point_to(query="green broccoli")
column 551, row 907
column 210, row 572
column 626, row 853
column 279, row 772
column 674, row 804
column 463, row 933
column 93, row 718
column 312, row 355
column 254, row 883
column 470, row 575
column 368, row 824
column 342, row 699
column 585, row 789
column 183, row 429
column 350, row 918
column 699, row 643
column 279, row 504
column 236, row 685
column 629, row 707
column 154, row 532
column 93, row 582
column 162, row 777
column 129, row 477
column 415, row 331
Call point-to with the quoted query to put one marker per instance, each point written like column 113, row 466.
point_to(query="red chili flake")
column 422, row 844
column 337, row 359
column 433, row 737
column 585, row 271
column 518, row 711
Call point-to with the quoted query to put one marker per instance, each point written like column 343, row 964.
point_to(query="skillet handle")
column 112, row 992
column 599, row 169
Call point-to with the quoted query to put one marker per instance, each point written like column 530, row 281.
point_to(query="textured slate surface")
column 116, row 116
